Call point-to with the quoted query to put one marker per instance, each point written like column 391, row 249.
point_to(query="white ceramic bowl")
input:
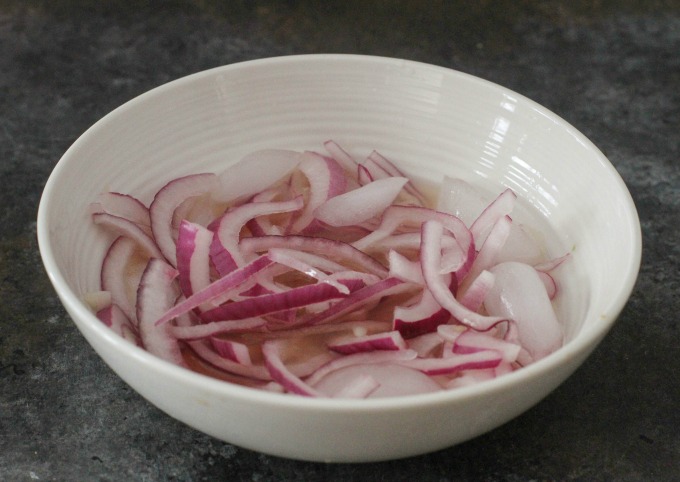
column 428, row 119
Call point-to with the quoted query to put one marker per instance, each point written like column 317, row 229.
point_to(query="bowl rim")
column 580, row 345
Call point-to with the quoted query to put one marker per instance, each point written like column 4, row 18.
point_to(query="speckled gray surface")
column 610, row 68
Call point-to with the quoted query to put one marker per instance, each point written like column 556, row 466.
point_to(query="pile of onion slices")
column 314, row 274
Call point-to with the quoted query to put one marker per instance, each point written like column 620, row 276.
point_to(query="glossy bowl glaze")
column 431, row 121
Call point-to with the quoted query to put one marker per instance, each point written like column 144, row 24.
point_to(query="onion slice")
column 280, row 373
column 254, row 173
column 326, row 179
column 224, row 250
column 273, row 303
column 193, row 257
column 422, row 317
column 156, row 295
column 232, row 350
column 331, row 248
column 116, row 279
column 169, row 198
column 390, row 340
column 114, row 318
column 456, row 363
column 430, row 253
column 362, row 358
column 520, row 295
column 215, row 289
column 124, row 206
column 499, row 207
column 127, row 228
column 359, row 205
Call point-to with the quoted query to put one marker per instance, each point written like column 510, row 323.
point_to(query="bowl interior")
column 431, row 121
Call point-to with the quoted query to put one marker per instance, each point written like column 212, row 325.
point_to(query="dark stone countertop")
column 612, row 69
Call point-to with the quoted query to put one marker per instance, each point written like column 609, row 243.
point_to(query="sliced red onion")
column 471, row 341
column 193, row 257
column 404, row 269
column 472, row 377
column 499, row 207
column 398, row 242
column 450, row 333
column 359, row 387
column 390, row 340
column 356, row 328
column 115, row 277
column 461, row 199
column 333, row 249
column 364, row 358
column 272, row 272
column 129, row 229
column 447, row 349
column 156, row 295
column 167, row 199
column 422, row 317
column 493, row 243
column 204, row 350
column 262, row 227
column 519, row 294
column 455, row 363
column 396, row 216
column 305, row 367
column 254, row 173
column 124, row 206
column 474, row 296
column 280, row 373
column 549, row 284
column 97, row 300
column 430, row 256
column 232, row 350
column 200, row 209
column 207, row 330
column 390, row 168
column 224, row 250
column 262, row 305
column 551, row 264
column 511, row 335
column 215, row 289
column 454, row 259
column 341, row 156
column 310, row 264
column 357, row 299
column 362, row 204
column 520, row 246
column 392, row 380
column 425, row 345
column 374, row 170
column 326, row 180
column 113, row 317
column 364, row 175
